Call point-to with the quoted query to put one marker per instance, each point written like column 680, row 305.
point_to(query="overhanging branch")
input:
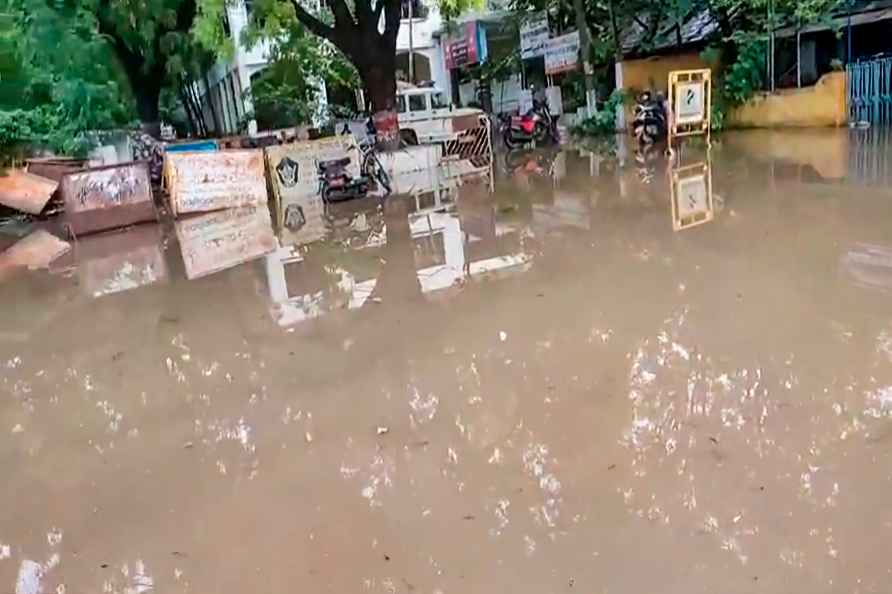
column 315, row 26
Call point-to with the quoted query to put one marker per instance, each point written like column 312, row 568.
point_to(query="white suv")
column 427, row 116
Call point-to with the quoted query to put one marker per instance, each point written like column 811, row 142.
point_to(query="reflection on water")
column 219, row 240
column 691, row 197
column 453, row 388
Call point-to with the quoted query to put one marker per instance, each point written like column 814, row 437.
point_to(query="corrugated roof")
column 695, row 29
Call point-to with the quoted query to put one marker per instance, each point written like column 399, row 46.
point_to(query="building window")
column 417, row 103
column 414, row 7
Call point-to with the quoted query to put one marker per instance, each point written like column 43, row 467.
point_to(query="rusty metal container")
column 209, row 181
column 107, row 197
column 219, row 240
column 55, row 168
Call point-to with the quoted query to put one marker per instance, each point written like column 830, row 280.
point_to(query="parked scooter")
column 649, row 124
column 537, row 125
column 336, row 183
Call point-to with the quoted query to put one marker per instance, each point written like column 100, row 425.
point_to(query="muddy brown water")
column 545, row 389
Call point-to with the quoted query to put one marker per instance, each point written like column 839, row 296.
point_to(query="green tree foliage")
column 147, row 42
column 57, row 82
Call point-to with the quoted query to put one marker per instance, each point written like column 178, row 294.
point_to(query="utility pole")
column 411, row 44
column 585, row 48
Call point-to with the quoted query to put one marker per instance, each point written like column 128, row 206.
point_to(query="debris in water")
column 38, row 250
column 25, row 191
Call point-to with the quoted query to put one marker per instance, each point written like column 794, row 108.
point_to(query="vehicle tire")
column 510, row 143
column 409, row 137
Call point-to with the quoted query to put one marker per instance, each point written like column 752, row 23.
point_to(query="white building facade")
column 225, row 98
column 417, row 36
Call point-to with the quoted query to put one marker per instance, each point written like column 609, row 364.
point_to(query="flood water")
column 582, row 382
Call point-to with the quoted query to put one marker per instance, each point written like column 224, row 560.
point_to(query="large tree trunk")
column 372, row 51
column 379, row 80
column 147, row 95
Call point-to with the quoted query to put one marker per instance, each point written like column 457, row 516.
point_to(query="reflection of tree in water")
column 397, row 281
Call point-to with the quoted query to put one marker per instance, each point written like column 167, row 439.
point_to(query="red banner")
column 460, row 48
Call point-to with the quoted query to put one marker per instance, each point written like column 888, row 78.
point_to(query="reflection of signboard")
column 533, row 35
column 689, row 103
column 121, row 261
column 692, row 196
column 461, row 48
column 223, row 239
column 692, row 202
column 562, row 53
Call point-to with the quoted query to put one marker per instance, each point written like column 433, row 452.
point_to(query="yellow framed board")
column 690, row 104
column 691, row 196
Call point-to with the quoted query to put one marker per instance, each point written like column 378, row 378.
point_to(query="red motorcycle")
column 537, row 126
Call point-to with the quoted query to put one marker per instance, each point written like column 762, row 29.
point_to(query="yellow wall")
column 821, row 105
column 653, row 73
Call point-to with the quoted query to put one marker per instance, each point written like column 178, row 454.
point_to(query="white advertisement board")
column 562, row 53
column 689, row 103
column 533, row 35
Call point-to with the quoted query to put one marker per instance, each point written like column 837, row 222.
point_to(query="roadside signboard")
column 562, row 53
column 461, row 48
column 690, row 103
column 534, row 35
column 213, row 180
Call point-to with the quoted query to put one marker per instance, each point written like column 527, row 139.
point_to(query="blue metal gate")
column 869, row 92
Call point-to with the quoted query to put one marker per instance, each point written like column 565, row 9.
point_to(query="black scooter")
column 336, row 183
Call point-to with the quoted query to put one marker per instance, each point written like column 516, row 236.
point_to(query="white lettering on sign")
column 562, row 53
column 534, row 35
column 689, row 104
